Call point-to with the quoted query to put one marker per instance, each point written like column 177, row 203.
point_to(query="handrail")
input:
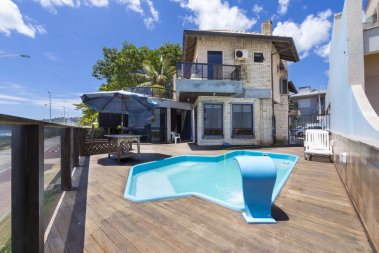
column 15, row 120
column 154, row 91
column 208, row 71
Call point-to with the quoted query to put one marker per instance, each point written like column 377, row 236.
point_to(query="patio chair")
column 317, row 143
column 175, row 137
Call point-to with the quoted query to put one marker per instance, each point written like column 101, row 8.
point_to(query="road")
column 52, row 150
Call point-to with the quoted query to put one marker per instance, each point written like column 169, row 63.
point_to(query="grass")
column 5, row 143
column 51, row 198
column 5, row 234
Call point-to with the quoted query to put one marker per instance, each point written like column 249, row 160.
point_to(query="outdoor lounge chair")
column 317, row 143
column 175, row 137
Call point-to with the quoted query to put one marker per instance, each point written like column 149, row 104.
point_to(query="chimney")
column 266, row 27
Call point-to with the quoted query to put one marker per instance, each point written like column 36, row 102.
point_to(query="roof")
column 284, row 45
column 291, row 87
column 309, row 93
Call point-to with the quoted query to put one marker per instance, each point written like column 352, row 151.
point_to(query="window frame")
column 234, row 136
column 208, row 136
column 281, row 86
column 263, row 57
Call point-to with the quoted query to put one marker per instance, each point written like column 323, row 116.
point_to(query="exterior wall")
column 372, row 80
column 371, row 40
column 372, row 8
column 354, row 123
column 281, row 116
column 278, row 75
column 312, row 109
column 254, row 75
column 262, row 121
column 357, row 164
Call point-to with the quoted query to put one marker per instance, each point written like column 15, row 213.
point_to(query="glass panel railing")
column 5, row 188
column 52, row 172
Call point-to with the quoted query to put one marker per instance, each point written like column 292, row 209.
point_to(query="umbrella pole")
column 122, row 116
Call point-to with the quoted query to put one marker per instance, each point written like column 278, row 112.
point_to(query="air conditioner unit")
column 241, row 54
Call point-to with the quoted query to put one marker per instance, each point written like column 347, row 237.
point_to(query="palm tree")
column 158, row 74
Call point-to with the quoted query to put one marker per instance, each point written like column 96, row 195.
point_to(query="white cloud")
column 216, row 14
column 98, row 3
column 51, row 56
column 11, row 19
column 145, row 8
column 283, row 6
column 51, row 4
column 323, row 50
column 257, row 9
column 311, row 34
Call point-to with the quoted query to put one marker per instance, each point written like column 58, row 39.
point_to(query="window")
column 258, row 57
column 304, row 103
column 284, row 87
column 213, row 120
column 242, row 120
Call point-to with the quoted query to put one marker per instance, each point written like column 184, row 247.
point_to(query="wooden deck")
column 314, row 212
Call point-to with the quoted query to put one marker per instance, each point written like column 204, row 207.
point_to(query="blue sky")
column 64, row 39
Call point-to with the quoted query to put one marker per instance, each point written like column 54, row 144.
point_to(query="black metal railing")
column 154, row 91
column 207, row 71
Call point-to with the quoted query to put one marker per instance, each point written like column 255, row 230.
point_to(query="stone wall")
column 281, row 115
column 254, row 76
column 262, row 121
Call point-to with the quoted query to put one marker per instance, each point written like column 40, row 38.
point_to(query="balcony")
column 194, row 79
column 207, row 71
column 154, row 91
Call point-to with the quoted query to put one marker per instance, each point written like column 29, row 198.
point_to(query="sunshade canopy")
column 120, row 101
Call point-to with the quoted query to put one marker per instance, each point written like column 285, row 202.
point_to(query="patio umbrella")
column 120, row 102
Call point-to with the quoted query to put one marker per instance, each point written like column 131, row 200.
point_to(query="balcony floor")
column 314, row 212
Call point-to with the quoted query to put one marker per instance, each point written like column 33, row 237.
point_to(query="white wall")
column 351, row 112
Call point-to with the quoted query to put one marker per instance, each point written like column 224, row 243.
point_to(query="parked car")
column 298, row 131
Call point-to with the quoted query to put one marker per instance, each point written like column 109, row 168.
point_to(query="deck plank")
column 315, row 214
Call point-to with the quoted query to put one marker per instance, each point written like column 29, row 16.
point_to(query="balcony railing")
column 154, row 91
column 206, row 71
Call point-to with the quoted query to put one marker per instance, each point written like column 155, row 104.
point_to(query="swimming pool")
column 214, row 178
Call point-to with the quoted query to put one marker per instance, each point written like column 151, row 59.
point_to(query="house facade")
column 238, row 83
column 309, row 101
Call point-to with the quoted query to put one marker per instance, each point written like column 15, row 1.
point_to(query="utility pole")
column 49, row 104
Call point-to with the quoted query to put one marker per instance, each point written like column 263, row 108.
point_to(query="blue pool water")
column 215, row 178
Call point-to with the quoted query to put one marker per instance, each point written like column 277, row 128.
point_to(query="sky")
column 64, row 39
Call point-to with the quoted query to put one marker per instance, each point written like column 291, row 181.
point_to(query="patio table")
column 124, row 145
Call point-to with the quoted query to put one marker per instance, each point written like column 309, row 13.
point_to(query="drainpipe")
column 272, row 101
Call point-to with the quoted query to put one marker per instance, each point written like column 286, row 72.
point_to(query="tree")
column 127, row 68
column 158, row 75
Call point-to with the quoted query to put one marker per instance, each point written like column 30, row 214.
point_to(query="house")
column 238, row 83
column 309, row 101
column 352, row 100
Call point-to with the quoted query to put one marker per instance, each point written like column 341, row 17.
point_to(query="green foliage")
column 133, row 66
column 89, row 116
column 122, row 69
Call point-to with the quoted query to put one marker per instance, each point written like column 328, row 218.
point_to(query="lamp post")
column 64, row 114
column 49, row 104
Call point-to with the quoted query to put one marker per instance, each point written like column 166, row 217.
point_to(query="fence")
column 297, row 125
column 36, row 162
column 190, row 70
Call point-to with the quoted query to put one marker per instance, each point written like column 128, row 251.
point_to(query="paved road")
column 52, row 150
